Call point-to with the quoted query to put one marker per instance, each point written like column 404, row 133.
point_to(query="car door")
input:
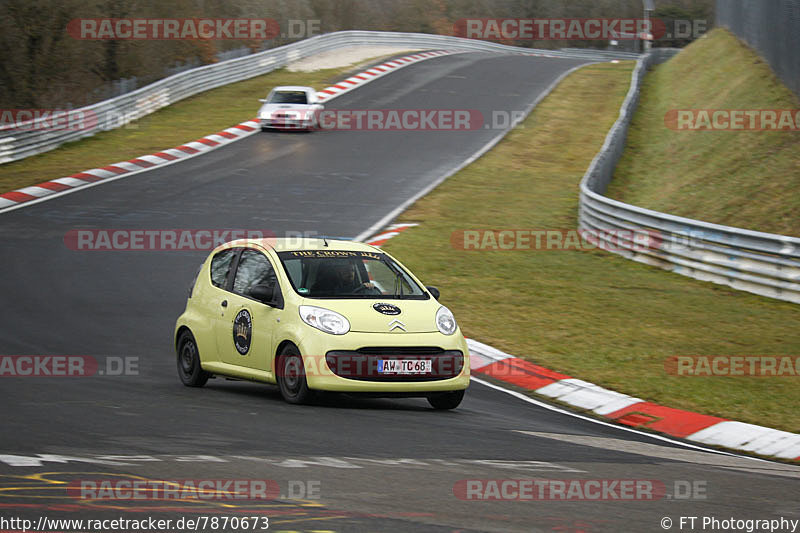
column 216, row 297
column 245, row 336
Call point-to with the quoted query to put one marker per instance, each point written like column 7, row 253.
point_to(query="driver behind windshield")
column 340, row 277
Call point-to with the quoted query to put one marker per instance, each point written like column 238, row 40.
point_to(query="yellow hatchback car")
column 320, row 315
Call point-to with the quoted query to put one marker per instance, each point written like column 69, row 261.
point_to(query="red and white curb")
column 392, row 231
column 376, row 72
column 630, row 411
column 57, row 187
column 621, row 408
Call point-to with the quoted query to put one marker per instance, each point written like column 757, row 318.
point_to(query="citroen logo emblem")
column 396, row 324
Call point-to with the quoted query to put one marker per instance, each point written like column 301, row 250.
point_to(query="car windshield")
column 348, row 274
column 288, row 97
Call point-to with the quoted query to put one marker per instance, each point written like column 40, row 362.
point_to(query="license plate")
column 404, row 366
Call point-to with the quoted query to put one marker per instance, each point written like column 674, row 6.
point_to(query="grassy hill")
column 745, row 179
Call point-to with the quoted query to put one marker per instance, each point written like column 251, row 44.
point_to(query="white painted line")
column 656, row 451
column 5, row 202
column 553, row 408
column 478, row 153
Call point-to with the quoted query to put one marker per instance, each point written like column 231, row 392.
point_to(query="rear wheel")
column 189, row 369
column 292, row 376
column 446, row 400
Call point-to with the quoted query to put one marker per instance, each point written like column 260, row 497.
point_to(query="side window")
column 254, row 269
column 220, row 266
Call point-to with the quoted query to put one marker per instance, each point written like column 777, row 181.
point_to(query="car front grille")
column 362, row 364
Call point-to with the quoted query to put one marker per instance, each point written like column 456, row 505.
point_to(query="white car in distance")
column 291, row 108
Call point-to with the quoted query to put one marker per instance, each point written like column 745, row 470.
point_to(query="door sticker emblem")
column 242, row 331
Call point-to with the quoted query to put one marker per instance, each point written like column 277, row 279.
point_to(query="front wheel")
column 446, row 400
column 189, row 369
column 292, row 376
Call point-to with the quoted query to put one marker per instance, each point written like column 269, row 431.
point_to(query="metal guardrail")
column 18, row 143
column 752, row 261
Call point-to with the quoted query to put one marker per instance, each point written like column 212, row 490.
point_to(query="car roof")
column 295, row 244
column 293, row 88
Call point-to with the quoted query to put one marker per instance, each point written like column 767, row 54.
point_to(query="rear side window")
column 220, row 266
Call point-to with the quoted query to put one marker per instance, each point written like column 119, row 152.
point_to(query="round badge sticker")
column 386, row 309
column 242, row 331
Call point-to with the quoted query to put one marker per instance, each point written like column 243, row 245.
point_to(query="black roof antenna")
column 325, row 241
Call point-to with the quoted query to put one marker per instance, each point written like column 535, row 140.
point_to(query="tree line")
column 43, row 66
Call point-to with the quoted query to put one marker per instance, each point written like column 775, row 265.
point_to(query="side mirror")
column 434, row 292
column 268, row 295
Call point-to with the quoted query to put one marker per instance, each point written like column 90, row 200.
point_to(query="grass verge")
column 591, row 314
column 185, row 121
column 744, row 179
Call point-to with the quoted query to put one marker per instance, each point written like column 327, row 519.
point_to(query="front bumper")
column 286, row 123
column 355, row 357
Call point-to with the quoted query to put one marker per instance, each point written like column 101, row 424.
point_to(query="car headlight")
column 324, row 320
column 445, row 321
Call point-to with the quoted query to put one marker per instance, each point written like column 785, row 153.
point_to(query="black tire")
column 189, row 369
column 292, row 376
column 446, row 400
